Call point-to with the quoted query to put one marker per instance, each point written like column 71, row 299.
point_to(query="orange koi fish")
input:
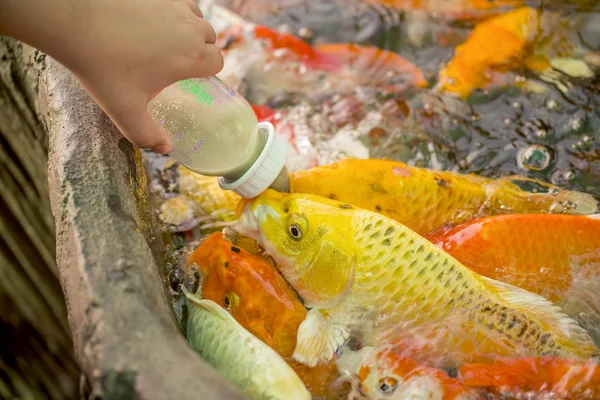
column 556, row 256
column 495, row 46
column 566, row 379
column 260, row 300
column 312, row 58
column 350, row 63
column 373, row 62
column 386, row 374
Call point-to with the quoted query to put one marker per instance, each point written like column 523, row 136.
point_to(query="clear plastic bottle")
column 214, row 132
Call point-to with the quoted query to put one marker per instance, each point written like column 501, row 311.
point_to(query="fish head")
column 251, row 290
column 387, row 373
column 311, row 239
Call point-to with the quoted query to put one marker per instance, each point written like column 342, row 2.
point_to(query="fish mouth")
column 247, row 223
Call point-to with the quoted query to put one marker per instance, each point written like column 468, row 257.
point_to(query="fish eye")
column 227, row 302
column 387, row 385
column 295, row 231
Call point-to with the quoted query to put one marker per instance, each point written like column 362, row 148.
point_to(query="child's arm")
column 124, row 52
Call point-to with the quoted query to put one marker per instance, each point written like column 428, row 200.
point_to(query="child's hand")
column 123, row 51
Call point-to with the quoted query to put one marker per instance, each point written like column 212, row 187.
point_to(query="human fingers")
column 194, row 7
column 208, row 61
column 136, row 124
column 210, row 36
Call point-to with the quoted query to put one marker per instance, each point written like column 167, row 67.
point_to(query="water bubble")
column 463, row 216
column 553, row 191
column 305, row 33
column 576, row 123
column 544, row 271
column 507, row 121
column 541, row 133
column 516, row 104
column 551, row 105
column 569, row 205
column 520, row 79
column 475, row 117
column 569, row 175
column 588, row 139
column 534, row 158
column 285, row 28
column 556, row 207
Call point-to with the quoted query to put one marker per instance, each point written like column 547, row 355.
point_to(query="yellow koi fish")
column 200, row 198
column 368, row 277
column 425, row 199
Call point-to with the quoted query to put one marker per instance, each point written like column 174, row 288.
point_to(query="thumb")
column 130, row 114
column 139, row 128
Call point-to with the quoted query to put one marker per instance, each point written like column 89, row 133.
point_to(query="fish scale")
column 239, row 356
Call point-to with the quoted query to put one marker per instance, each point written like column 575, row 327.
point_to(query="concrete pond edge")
column 110, row 258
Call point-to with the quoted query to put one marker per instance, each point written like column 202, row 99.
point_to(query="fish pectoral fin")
column 319, row 337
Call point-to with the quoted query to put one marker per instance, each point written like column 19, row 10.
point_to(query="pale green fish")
column 369, row 277
column 244, row 360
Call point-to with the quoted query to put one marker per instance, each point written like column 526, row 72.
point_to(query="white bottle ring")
column 265, row 169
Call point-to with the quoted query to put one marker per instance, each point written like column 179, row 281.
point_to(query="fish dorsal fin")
column 542, row 310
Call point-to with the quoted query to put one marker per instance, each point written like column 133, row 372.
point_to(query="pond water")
column 492, row 88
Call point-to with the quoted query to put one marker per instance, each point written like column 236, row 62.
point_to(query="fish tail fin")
column 584, row 203
column 573, row 338
column 521, row 188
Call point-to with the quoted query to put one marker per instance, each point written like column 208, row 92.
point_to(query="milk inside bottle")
column 214, row 132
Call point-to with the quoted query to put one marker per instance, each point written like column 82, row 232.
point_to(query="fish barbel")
column 424, row 199
column 555, row 256
column 260, row 300
column 367, row 276
column 379, row 374
column 239, row 356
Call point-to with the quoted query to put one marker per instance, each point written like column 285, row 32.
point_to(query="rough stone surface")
column 36, row 355
column 109, row 251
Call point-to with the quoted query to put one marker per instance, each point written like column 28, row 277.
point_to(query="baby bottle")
column 214, row 132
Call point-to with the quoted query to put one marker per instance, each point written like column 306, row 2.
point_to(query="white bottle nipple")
column 265, row 169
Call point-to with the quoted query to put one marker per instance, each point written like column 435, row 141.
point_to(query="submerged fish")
column 527, row 37
column 280, row 62
column 367, row 276
column 424, row 199
column 259, row 299
column 200, row 199
column 556, row 256
column 240, row 357
column 371, row 61
column 565, row 379
column 386, row 374
column 454, row 9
